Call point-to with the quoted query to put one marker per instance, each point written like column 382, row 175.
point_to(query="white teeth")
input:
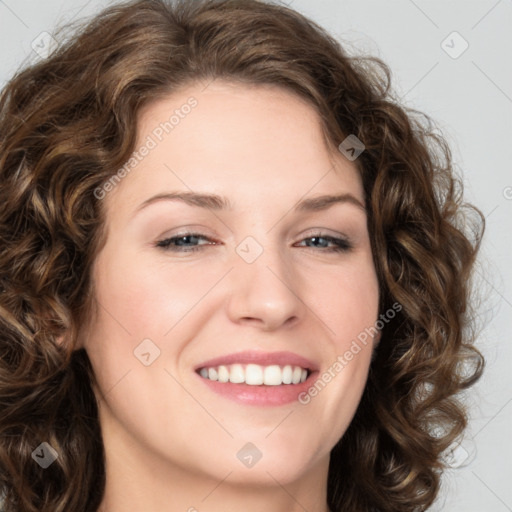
column 223, row 374
column 287, row 374
column 236, row 374
column 272, row 375
column 255, row 374
column 297, row 374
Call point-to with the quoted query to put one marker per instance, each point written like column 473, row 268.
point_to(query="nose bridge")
column 257, row 253
column 263, row 282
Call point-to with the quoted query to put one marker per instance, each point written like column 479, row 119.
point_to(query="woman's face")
column 264, row 288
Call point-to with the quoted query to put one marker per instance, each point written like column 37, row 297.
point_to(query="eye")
column 187, row 242
column 179, row 243
column 340, row 244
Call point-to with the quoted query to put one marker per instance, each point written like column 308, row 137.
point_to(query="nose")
column 265, row 293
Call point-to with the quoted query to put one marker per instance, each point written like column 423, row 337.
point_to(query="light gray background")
column 470, row 97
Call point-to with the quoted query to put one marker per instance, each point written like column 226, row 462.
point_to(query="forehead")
column 251, row 142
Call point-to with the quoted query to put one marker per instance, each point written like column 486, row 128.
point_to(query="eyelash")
column 341, row 244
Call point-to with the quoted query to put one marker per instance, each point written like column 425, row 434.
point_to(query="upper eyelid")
column 312, row 234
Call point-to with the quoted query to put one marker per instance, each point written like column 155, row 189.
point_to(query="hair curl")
column 66, row 123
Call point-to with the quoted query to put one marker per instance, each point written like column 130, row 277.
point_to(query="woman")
column 234, row 272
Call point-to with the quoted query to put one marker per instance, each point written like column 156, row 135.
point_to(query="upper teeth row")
column 254, row 374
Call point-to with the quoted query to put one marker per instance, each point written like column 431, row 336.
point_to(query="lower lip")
column 260, row 395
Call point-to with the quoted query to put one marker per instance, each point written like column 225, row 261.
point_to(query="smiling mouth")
column 255, row 374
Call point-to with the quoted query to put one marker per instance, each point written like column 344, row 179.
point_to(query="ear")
column 64, row 341
column 61, row 340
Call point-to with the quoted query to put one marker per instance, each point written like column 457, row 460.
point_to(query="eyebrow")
column 216, row 202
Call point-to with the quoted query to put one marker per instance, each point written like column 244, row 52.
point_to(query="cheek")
column 349, row 311
column 346, row 300
column 140, row 300
column 147, row 298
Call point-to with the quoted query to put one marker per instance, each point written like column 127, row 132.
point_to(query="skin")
column 171, row 443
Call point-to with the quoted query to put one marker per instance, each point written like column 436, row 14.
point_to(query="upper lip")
column 261, row 358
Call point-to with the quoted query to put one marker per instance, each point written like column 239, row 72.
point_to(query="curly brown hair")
column 66, row 123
